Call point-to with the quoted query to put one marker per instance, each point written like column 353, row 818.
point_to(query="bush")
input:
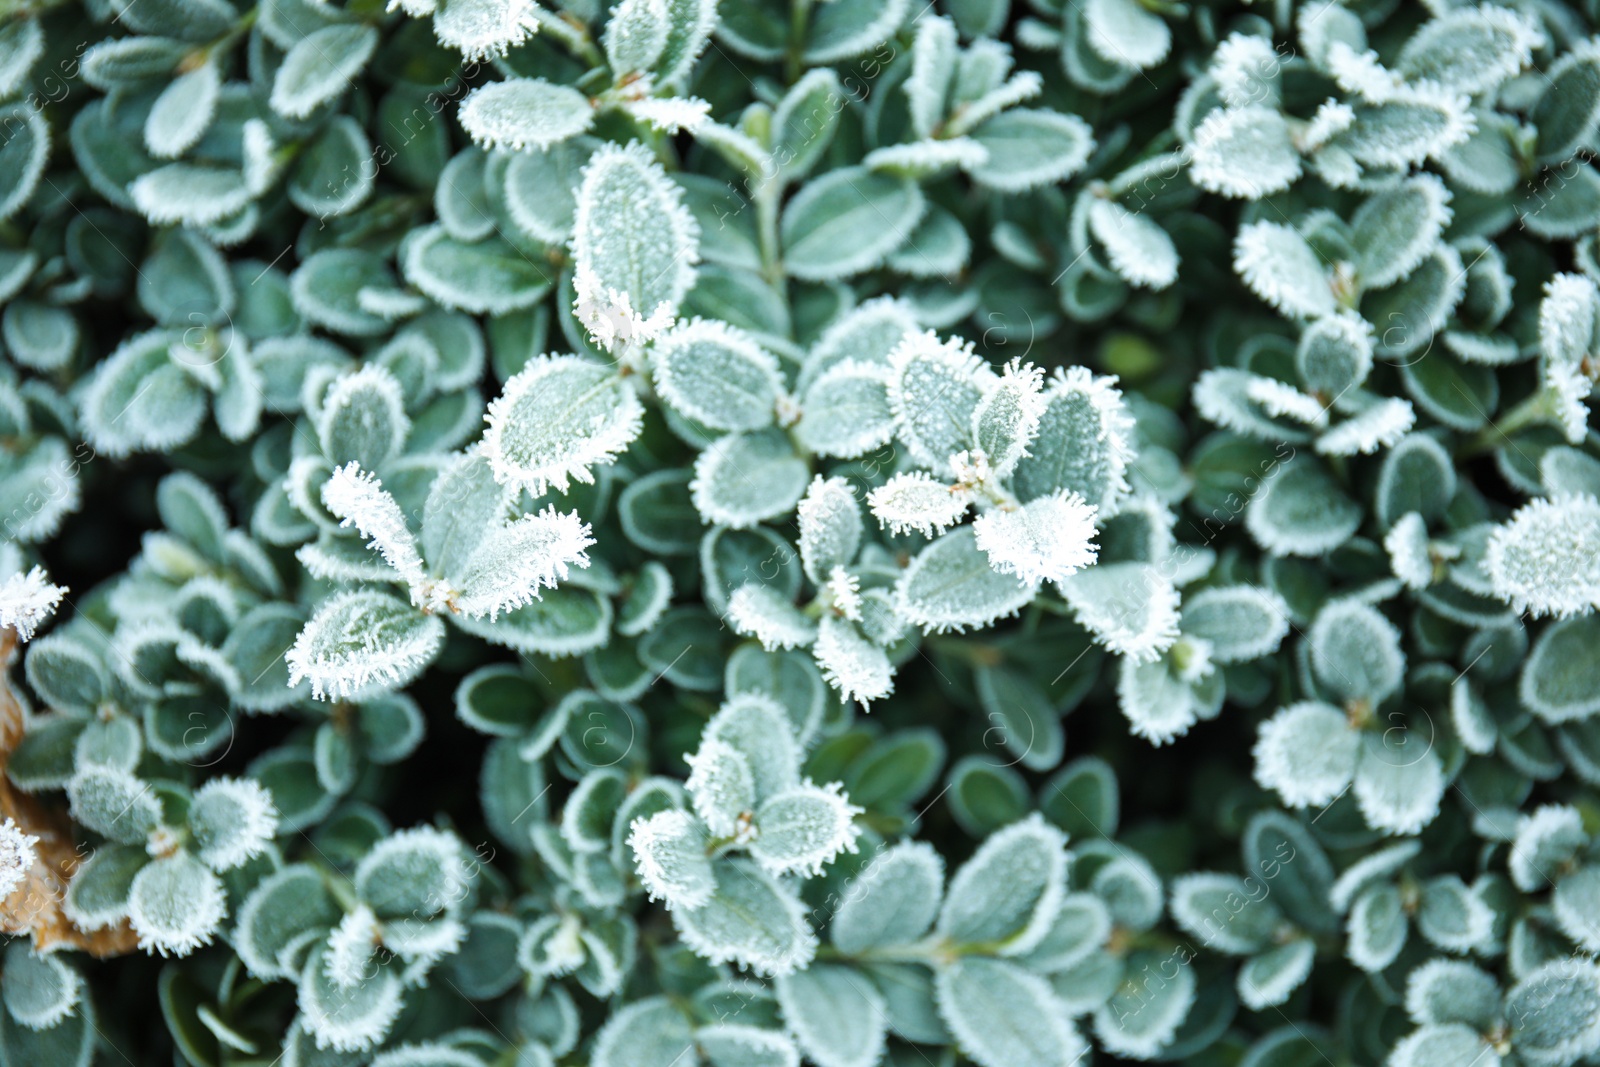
column 631, row 501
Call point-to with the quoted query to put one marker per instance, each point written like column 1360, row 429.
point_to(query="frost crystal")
column 17, row 856
column 609, row 317
column 26, row 600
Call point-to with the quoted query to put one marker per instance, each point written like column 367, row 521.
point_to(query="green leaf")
column 320, row 66
column 647, row 1033
column 1301, row 511
column 846, row 222
column 491, row 276
column 524, row 113
column 1007, row 894
column 559, row 417
column 632, row 231
column 360, row 638
column 752, row 919
column 1555, row 1012
column 1247, row 153
column 892, row 901
column 717, row 376
column 1002, row 1015
column 1031, row 148
column 744, row 479
column 950, row 586
column 1560, row 680
column 836, row 1013
column 1241, row 622
column 1278, row 850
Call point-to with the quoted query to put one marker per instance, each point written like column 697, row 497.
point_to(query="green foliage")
column 569, row 534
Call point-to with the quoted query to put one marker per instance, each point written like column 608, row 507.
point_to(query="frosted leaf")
column 758, row 727
column 176, row 905
column 892, row 901
column 1002, row 1014
column 763, row 613
column 192, row 194
column 721, row 786
column 1301, row 510
column 351, row 947
column 801, row 830
column 1449, row 991
column 1010, row 891
column 232, row 820
column 1142, row 1017
column 1547, row 839
column 1355, row 652
column 866, row 335
column 752, row 919
column 1125, row 33
column 1555, row 1012
column 1006, row 420
column 915, row 501
column 358, row 498
column 321, row 66
column 1239, row 622
column 717, row 375
column 1399, row 782
column 1436, row 1046
column 830, row 526
column 1269, row 979
column 1307, row 753
column 1395, row 230
column 854, row 666
column 1569, row 316
column 951, row 586
column 41, row 989
column 1282, row 269
column 1247, row 68
column 934, row 387
column 27, row 600
column 1546, row 559
column 1131, row 608
column 347, row 1018
column 1139, row 249
column 1283, row 401
column 845, row 411
column 1245, row 153
column 669, row 850
column 1159, row 704
column 484, row 29
column 1046, row 540
column 934, row 54
column 359, row 639
column 632, row 231
column 927, row 159
column 17, row 856
column 524, row 113
column 743, row 479
column 1471, row 50
column 1380, row 424
column 183, row 112
column 1332, row 118
column 670, row 114
column 514, row 562
column 636, row 35
column 1409, row 554
column 836, row 1014
column 1226, row 912
column 1085, row 441
column 557, row 418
